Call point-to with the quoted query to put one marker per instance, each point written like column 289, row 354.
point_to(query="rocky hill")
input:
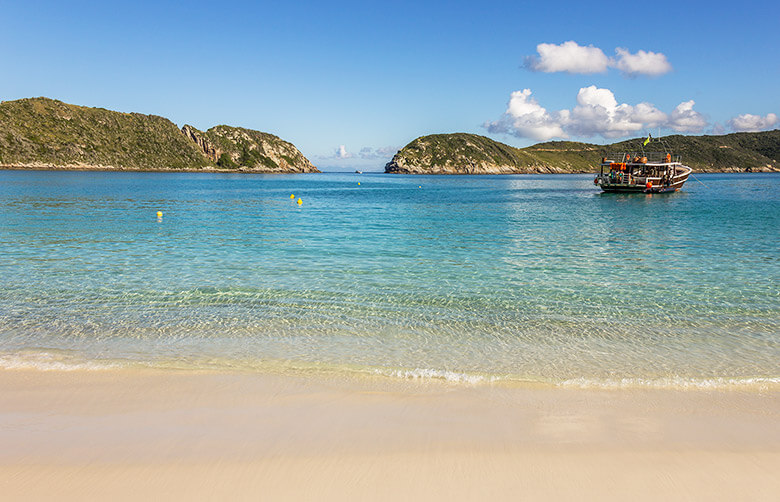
column 236, row 147
column 462, row 153
column 46, row 133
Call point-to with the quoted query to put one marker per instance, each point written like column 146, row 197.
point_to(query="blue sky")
column 337, row 77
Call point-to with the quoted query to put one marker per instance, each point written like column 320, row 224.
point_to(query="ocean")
column 538, row 279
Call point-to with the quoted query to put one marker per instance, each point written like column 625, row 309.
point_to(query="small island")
column 43, row 133
column 462, row 153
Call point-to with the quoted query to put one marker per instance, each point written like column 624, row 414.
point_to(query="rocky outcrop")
column 462, row 153
column 248, row 150
column 204, row 144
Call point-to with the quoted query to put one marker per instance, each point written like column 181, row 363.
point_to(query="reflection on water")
column 523, row 277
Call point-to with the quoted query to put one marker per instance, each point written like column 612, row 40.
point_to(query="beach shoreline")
column 132, row 433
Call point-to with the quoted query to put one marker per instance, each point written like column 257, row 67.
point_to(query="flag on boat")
column 647, row 140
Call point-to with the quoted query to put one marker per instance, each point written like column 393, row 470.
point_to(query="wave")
column 62, row 360
column 53, row 361
column 445, row 375
column 676, row 382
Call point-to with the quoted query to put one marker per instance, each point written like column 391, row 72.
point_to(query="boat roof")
column 652, row 157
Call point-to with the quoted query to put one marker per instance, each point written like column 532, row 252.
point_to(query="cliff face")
column 203, row 143
column 239, row 148
column 471, row 154
column 45, row 133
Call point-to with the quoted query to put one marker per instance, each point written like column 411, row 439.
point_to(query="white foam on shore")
column 52, row 361
column 673, row 383
column 446, row 375
column 683, row 383
column 58, row 360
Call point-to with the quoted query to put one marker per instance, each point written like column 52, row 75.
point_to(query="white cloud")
column 597, row 113
column 378, row 153
column 649, row 115
column 642, row 63
column 569, row 57
column 342, row 153
column 752, row 123
column 685, row 119
column 525, row 118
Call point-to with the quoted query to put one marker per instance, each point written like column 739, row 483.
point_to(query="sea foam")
column 52, row 361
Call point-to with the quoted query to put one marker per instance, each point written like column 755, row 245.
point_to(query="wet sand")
column 125, row 435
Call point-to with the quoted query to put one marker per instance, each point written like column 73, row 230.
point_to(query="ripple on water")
column 471, row 280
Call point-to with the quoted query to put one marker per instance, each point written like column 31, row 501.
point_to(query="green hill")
column 46, row 133
column 462, row 153
column 236, row 147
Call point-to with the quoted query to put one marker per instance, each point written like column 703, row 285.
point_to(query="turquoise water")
column 466, row 278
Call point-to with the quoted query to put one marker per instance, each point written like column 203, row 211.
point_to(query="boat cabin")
column 645, row 171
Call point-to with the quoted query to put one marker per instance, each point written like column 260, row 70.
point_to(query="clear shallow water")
column 528, row 278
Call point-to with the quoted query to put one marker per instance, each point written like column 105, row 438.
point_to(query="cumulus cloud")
column 524, row 117
column 685, row 119
column 752, row 123
column 569, row 57
column 649, row 115
column 597, row 113
column 647, row 63
column 342, row 153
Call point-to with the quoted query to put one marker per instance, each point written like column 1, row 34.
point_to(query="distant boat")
column 359, row 172
column 643, row 172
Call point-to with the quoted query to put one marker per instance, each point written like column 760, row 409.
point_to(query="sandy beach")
column 128, row 435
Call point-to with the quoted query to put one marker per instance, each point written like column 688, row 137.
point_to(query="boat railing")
column 652, row 157
column 628, row 179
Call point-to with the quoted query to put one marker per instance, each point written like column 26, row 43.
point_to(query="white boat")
column 644, row 172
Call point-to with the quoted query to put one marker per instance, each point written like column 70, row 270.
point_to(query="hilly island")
column 461, row 153
column 42, row 133
column 48, row 134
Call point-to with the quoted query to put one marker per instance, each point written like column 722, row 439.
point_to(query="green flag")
column 647, row 140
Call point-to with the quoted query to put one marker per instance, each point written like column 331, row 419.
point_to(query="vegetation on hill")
column 235, row 147
column 744, row 151
column 452, row 153
column 462, row 153
column 42, row 132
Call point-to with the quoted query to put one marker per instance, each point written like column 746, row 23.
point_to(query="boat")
column 358, row 172
column 642, row 172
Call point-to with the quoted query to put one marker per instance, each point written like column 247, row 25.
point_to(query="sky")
column 351, row 82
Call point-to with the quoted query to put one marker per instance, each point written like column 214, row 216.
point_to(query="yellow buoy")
column 300, row 201
column 358, row 183
column 292, row 195
column 159, row 214
column 420, row 186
